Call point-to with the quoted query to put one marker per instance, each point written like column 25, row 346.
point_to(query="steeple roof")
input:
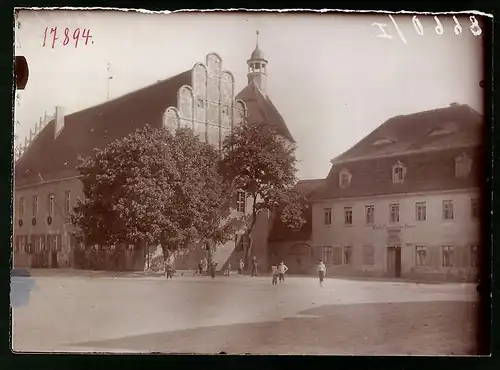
column 257, row 54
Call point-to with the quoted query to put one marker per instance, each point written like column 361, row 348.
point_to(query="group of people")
column 278, row 271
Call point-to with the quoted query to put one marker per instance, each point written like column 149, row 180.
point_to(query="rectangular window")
column 327, row 255
column 421, row 211
column 344, row 180
column 474, row 255
column 448, row 210
column 240, row 201
column 448, row 255
column 398, row 174
column 50, row 204
column 35, row 205
column 394, row 213
column 348, row 215
column 474, row 208
column 337, row 255
column 328, row 216
column 370, row 215
column 200, row 103
column 21, row 206
column 347, row 255
column 421, row 255
column 67, row 203
column 368, row 255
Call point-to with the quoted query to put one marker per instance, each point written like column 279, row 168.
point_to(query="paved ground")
column 99, row 312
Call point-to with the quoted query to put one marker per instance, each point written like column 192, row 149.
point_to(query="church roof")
column 281, row 232
column 95, row 127
column 261, row 109
column 432, row 129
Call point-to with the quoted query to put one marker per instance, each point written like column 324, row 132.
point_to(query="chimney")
column 454, row 104
column 59, row 121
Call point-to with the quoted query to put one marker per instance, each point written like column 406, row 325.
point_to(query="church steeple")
column 257, row 67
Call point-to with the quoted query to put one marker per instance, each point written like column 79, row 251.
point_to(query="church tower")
column 257, row 68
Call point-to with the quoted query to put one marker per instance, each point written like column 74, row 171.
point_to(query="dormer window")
column 398, row 172
column 445, row 129
column 383, row 141
column 344, row 178
column 463, row 165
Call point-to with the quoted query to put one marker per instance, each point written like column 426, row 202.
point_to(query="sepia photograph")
column 231, row 182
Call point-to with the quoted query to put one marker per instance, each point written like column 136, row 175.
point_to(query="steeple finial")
column 257, row 33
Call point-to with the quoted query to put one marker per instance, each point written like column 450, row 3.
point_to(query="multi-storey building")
column 47, row 183
column 405, row 201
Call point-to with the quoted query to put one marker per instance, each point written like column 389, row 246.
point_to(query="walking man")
column 321, row 272
column 282, row 269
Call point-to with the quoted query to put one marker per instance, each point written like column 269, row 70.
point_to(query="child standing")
column 275, row 274
column 282, row 269
column 240, row 267
column 321, row 272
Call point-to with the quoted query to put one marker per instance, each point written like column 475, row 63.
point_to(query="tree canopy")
column 258, row 161
column 153, row 187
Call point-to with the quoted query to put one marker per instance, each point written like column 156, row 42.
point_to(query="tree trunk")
column 249, row 231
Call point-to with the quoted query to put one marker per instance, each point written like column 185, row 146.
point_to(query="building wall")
column 462, row 233
column 299, row 256
column 35, row 225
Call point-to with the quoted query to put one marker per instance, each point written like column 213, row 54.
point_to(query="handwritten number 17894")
column 75, row 37
column 474, row 27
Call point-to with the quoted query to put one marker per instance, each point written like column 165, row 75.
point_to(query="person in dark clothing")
column 255, row 265
column 212, row 269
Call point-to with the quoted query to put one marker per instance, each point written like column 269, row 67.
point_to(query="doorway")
column 394, row 261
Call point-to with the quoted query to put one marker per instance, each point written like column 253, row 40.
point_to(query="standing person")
column 240, row 267
column 274, row 269
column 282, row 269
column 200, row 268
column 255, row 265
column 321, row 272
column 213, row 267
column 227, row 272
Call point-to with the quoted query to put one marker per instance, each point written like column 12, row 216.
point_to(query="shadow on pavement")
column 416, row 328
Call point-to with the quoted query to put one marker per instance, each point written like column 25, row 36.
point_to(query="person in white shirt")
column 282, row 269
column 321, row 272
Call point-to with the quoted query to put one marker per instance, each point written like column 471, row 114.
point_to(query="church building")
column 47, row 183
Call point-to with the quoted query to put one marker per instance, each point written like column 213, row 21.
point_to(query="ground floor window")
column 337, row 255
column 347, row 255
column 368, row 255
column 327, row 255
column 421, row 255
column 448, row 255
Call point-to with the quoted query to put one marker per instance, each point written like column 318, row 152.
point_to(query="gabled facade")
column 411, row 207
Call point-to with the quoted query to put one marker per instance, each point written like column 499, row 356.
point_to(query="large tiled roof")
column 48, row 158
column 425, row 171
column 261, row 108
column 280, row 232
column 427, row 143
column 413, row 132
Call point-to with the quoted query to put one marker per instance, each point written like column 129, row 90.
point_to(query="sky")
column 330, row 75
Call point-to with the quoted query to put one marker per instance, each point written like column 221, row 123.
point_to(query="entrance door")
column 394, row 261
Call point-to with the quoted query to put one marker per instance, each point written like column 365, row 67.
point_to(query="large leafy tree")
column 258, row 161
column 152, row 187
